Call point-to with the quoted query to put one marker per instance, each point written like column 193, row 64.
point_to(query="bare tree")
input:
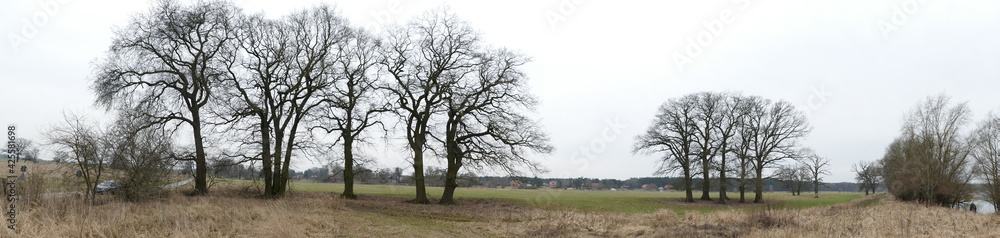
column 483, row 127
column 419, row 59
column 26, row 149
column 168, row 60
column 673, row 132
column 773, row 133
column 986, row 152
column 279, row 75
column 750, row 108
column 929, row 161
column 732, row 115
column 793, row 176
column 142, row 147
column 816, row 167
column 708, row 117
column 84, row 143
column 868, row 175
column 256, row 64
column 354, row 103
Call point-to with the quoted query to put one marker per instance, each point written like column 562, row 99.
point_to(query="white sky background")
column 611, row 61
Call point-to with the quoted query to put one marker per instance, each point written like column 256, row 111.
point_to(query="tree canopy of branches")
column 141, row 147
column 673, row 132
column 704, row 129
column 167, row 61
column 255, row 81
column 986, row 153
column 26, row 148
column 793, row 176
column 85, row 145
column 278, row 77
column 816, row 167
column 483, row 127
column 421, row 58
column 708, row 116
column 354, row 103
column 773, row 130
column 929, row 161
column 868, row 174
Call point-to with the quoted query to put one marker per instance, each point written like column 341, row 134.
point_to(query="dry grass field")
column 233, row 212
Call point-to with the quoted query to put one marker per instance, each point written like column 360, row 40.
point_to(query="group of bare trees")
column 807, row 171
column 267, row 86
column 934, row 160
column 868, row 174
column 134, row 145
column 724, row 134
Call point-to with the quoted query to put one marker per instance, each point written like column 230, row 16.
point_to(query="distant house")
column 553, row 184
column 335, row 178
column 668, row 187
column 649, row 186
column 515, row 183
column 596, row 186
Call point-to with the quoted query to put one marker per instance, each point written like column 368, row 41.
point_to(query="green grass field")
column 600, row 201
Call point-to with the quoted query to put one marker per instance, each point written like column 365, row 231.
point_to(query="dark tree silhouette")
column 279, row 75
column 868, row 174
column 774, row 132
column 732, row 114
column 986, row 153
column 816, row 167
column 168, row 61
column 929, row 161
column 354, row 103
column 483, row 127
column 673, row 131
column 707, row 117
column 83, row 142
column 420, row 58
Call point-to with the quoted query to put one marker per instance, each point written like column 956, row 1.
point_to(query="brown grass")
column 233, row 212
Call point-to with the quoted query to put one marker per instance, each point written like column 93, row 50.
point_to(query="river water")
column 982, row 207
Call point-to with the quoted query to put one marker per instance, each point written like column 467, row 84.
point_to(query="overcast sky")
column 601, row 68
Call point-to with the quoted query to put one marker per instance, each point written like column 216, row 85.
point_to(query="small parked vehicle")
column 108, row 186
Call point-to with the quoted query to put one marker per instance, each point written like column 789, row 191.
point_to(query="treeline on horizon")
column 435, row 176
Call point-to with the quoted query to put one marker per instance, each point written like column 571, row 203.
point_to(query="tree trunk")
column 276, row 187
column 743, row 190
column 265, row 135
column 689, row 196
column 348, row 167
column 450, row 184
column 286, row 177
column 705, row 182
column 201, row 166
column 743, row 183
column 418, row 169
column 816, row 188
column 722, row 178
column 759, row 187
column 454, row 156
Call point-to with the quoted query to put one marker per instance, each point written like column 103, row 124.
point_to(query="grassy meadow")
column 597, row 201
column 315, row 210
